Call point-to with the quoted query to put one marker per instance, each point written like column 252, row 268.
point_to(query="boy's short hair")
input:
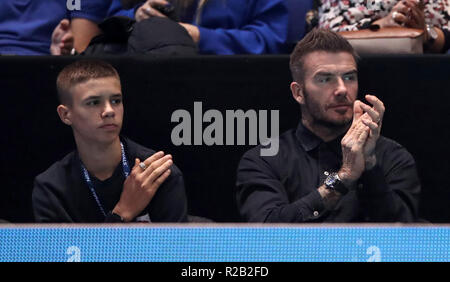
column 79, row 72
column 317, row 40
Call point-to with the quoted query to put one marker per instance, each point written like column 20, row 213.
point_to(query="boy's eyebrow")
column 100, row 96
column 92, row 97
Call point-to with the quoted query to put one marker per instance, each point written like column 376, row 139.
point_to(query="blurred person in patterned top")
column 433, row 16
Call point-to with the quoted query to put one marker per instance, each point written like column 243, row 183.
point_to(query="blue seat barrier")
column 185, row 243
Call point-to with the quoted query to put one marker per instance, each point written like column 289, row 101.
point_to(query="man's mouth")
column 340, row 106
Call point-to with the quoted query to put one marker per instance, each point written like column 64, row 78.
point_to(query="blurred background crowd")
column 220, row 27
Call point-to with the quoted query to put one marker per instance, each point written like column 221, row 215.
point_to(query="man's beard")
column 319, row 118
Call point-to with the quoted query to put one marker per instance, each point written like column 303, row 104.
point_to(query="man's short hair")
column 79, row 72
column 317, row 40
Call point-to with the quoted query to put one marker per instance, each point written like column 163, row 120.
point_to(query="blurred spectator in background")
column 26, row 26
column 430, row 15
column 228, row 27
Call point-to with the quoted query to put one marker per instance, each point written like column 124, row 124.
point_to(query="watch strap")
column 333, row 182
column 112, row 217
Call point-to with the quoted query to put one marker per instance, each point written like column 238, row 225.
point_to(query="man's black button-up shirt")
column 283, row 188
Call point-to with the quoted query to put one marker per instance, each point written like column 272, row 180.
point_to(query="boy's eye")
column 116, row 101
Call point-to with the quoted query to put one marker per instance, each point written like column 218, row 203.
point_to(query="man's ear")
column 297, row 92
column 64, row 114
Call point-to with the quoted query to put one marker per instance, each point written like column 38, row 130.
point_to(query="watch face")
column 330, row 181
column 333, row 182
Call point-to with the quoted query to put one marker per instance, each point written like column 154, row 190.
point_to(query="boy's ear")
column 64, row 114
column 297, row 92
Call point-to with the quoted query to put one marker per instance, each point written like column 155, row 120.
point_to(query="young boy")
column 109, row 178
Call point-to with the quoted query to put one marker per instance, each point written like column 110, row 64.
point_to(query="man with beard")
column 335, row 166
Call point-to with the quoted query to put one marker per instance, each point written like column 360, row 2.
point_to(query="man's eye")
column 350, row 77
column 92, row 103
column 323, row 79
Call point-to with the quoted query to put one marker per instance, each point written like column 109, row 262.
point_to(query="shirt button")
column 316, row 213
column 326, row 173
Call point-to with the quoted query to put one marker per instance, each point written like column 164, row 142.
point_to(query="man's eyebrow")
column 351, row 72
column 324, row 73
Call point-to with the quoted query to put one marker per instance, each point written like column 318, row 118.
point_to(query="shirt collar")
column 309, row 141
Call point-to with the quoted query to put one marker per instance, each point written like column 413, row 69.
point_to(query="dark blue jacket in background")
column 26, row 26
column 243, row 27
column 226, row 26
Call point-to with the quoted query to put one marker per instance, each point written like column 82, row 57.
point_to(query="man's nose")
column 341, row 88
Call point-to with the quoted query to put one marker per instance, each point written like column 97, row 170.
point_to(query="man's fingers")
column 64, row 24
column 357, row 110
column 352, row 130
column 372, row 125
column 374, row 115
column 351, row 138
column 65, row 51
column 155, row 13
column 155, row 3
column 363, row 134
column 67, row 38
column 143, row 13
column 363, row 137
column 377, row 104
column 146, row 9
column 148, row 12
column 150, row 8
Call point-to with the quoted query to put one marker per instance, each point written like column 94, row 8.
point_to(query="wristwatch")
column 333, row 182
column 432, row 35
